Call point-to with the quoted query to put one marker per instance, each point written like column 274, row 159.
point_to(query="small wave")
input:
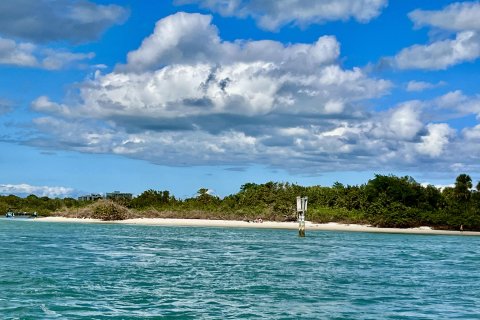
column 48, row 311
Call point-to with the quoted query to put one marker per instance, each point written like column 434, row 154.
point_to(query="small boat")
column 24, row 215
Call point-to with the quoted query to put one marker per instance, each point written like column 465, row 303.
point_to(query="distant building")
column 117, row 195
column 90, row 197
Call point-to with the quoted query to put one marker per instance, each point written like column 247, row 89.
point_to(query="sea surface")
column 107, row 271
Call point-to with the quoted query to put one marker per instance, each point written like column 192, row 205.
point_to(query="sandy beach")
column 264, row 225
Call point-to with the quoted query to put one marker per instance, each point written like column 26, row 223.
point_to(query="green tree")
column 166, row 196
column 397, row 189
column 463, row 184
column 151, row 198
column 204, row 197
column 202, row 192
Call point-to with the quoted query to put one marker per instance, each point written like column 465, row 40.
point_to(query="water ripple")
column 81, row 271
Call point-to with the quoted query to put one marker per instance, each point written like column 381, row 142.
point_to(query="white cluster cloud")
column 24, row 54
column 187, row 97
column 435, row 141
column 185, row 70
column 20, row 54
column 442, row 54
column 272, row 14
column 457, row 101
column 472, row 134
column 167, row 147
column 41, row 191
column 185, row 38
column 397, row 138
column 404, row 122
column 461, row 18
column 458, row 16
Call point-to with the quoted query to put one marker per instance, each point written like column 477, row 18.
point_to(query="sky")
column 131, row 95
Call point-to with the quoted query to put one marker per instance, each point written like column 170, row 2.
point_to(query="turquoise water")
column 104, row 271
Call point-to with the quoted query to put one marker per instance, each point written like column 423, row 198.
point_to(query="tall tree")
column 463, row 184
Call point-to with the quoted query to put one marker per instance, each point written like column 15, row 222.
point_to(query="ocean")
column 109, row 271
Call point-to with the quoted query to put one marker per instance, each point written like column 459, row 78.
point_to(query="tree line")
column 385, row 200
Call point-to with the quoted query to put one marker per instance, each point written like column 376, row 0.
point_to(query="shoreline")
column 309, row 226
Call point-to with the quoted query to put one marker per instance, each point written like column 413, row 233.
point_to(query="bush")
column 342, row 215
column 109, row 211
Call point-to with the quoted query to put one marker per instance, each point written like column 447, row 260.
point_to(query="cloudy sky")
column 130, row 95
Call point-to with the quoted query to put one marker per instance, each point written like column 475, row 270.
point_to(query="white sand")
column 266, row 225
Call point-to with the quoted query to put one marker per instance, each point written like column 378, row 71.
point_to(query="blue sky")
column 126, row 95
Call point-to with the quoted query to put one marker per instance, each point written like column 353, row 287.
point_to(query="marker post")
column 301, row 210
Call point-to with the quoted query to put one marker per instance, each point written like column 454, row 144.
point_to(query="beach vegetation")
column 384, row 201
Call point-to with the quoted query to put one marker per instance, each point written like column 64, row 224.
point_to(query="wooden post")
column 301, row 225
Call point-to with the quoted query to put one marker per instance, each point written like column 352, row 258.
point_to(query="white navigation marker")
column 301, row 210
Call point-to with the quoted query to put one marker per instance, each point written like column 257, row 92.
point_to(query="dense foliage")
column 387, row 201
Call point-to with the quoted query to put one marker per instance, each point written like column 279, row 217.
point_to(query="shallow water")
column 105, row 271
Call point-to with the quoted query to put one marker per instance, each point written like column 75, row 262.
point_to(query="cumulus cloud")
column 374, row 142
column 457, row 16
column 185, row 38
column 185, row 70
column 443, row 53
column 186, row 97
column 25, row 54
column 436, row 139
column 41, row 191
column 57, row 20
column 271, row 14
column 167, row 147
column 404, row 121
column 314, row 150
column 459, row 102
column 472, row 134
column 440, row 54
column 43, row 104
column 20, row 54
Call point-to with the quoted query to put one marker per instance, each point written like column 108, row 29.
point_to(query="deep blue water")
column 105, row 271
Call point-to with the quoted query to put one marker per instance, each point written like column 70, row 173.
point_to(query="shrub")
column 109, row 211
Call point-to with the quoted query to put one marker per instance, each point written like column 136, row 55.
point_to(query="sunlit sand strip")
column 265, row 225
